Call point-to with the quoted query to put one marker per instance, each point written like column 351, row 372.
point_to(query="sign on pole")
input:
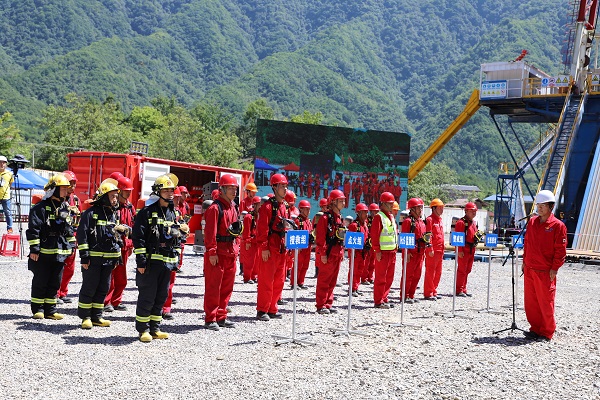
column 406, row 241
column 517, row 241
column 296, row 240
column 457, row 239
column 491, row 240
column 354, row 240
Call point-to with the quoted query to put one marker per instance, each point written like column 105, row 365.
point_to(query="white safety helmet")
column 545, row 196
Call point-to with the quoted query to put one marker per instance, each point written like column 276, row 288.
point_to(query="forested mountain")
column 396, row 65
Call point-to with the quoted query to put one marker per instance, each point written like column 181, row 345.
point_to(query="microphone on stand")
column 528, row 216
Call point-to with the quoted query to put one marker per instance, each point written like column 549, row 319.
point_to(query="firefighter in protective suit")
column 99, row 241
column 75, row 209
column 51, row 240
column 157, row 243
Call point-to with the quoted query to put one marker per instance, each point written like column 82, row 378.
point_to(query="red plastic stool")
column 16, row 245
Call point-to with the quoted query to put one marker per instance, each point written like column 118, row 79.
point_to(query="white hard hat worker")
column 545, row 196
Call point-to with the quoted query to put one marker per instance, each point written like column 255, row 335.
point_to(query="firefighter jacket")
column 545, row 245
column 156, row 236
column 217, row 236
column 329, row 240
column 49, row 231
column 96, row 237
column 383, row 232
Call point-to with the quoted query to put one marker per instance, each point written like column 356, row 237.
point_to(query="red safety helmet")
column 70, row 176
column 215, row 194
column 227, row 180
column 386, row 197
column 361, row 207
column 256, row 199
column 125, row 183
column 414, row 202
column 116, row 176
column 471, row 206
column 336, row 195
column 183, row 189
column 141, row 203
column 323, row 202
column 304, row 204
column 177, row 192
column 276, row 179
column 373, row 207
column 269, row 195
column 290, row 196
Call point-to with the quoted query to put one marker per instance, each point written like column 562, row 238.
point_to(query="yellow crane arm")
column 470, row 108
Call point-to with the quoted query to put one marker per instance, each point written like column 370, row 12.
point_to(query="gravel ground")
column 442, row 358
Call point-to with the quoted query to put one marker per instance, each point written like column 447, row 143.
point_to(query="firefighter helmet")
column 373, row 207
column 436, row 203
column 471, row 206
column 304, row 204
column 57, row 180
column 361, row 207
column 227, row 180
column 276, row 179
column 251, row 186
column 166, row 181
column 70, row 176
column 414, row 202
column 107, row 185
column 336, row 195
column 386, row 197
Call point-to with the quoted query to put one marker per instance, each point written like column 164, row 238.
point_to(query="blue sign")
column 491, row 240
column 406, row 241
column 457, row 239
column 517, row 241
column 296, row 240
column 354, row 240
column 493, row 90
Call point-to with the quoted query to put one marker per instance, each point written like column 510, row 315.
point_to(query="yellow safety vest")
column 388, row 238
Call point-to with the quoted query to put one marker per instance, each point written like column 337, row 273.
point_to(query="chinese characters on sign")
column 457, row 239
column 491, row 240
column 406, row 241
column 354, row 240
column 296, row 240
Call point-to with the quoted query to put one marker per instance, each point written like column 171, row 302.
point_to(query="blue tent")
column 261, row 164
column 27, row 179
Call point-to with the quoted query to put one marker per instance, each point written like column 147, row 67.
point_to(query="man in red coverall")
column 466, row 254
column 360, row 257
column 304, row 223
column 69, row 268
column 414, row 262
column 220, row 232
column 435, row 253
column 248, row 246
column 384, row 242
column 247, row 204
column 369, row 270
column 544, row 253
column 330, row 244
column 270, row 240
column 118, row 279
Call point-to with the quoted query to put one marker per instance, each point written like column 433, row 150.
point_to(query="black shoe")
column 109, row 308
column 66, row 299
column 303, row 286
column 323, row 311
column 468, row 294
column 338, row 285
column 212, row 326
column 168, row 316
column 432, row 298
column 415, row 300
column 281, row 302
column 276, row 315
column 355, row 294
column 463, row 294
column 225, row 323
column 382, row 306
column 250, row 281
column 173, row 301
column 120, row 307
column 438, row 296
column 179, row 271
column 408, row 300
column 390, row 305
column 333, row 310
column 530, row 335
column 262, row 316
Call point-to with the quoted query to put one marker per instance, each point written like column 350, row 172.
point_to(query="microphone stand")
column 511, row 254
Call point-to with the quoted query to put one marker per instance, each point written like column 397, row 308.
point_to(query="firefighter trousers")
column 45, row 283
column 153, row 286
column 94, row 286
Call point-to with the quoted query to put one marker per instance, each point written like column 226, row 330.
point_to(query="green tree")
column 428, row 184
column 308, row 118
column 85, row 124
column 9, row 133
column 146, row 120
column 246, row 132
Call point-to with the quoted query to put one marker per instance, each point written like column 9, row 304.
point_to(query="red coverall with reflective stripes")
column 384, row 268
column 219, row 278
column 414, row 264
column 545, row 249
column 465, row 263
column 328, row 272
column 271, row 273
column 433, row 263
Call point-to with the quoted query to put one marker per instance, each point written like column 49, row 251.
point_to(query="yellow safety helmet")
column 107, row 185
column 396, row 206
column 251, row 186
column 436, row 203
column 57, row 180
column 166, row 181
